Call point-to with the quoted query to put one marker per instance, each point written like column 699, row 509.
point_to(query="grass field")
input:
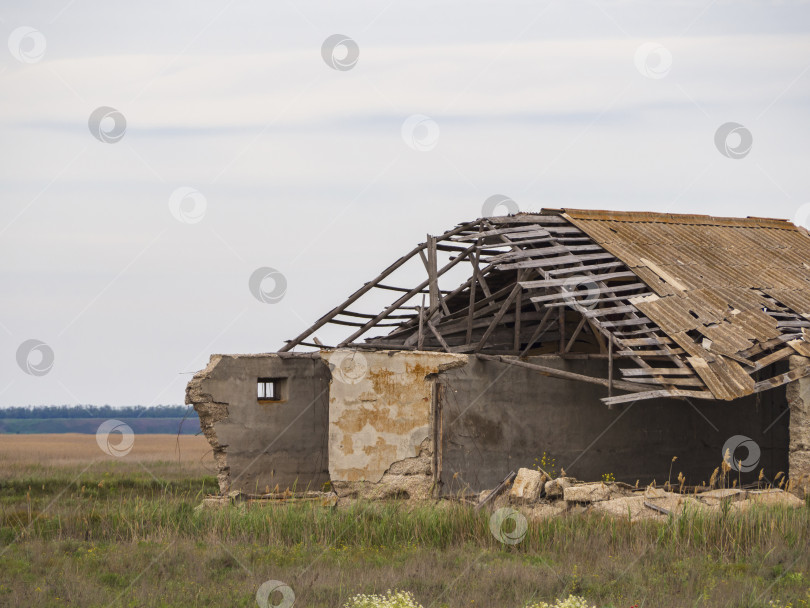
column 80, row 528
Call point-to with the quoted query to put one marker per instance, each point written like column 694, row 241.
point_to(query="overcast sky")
column 127, row 251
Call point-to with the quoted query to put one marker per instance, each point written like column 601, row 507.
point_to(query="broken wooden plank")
column 771, row 358
column 674, row 381
column 654, row 507
column 596, row 302
column 578, row 269
column 658, row 371
column 794, row 374
column 625, row 322
column 656, row 341
column 655, row 394
column 569, row 294
column 585, row 279
column 610, row 310
column 501, row 487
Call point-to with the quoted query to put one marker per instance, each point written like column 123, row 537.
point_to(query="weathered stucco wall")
column 798, row 397
column 498, row 418
column 380, row 421
column 259, row 445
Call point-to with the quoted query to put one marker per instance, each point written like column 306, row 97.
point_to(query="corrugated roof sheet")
column 713, row 276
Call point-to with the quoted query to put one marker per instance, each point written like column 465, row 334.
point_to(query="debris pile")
column 539, row 496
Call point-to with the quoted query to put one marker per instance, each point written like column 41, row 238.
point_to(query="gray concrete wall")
column 259, row 445
column 498, row 418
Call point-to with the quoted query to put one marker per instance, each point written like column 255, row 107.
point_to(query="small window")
column 271, row 389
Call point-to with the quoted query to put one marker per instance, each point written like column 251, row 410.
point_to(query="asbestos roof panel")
column 712, row 275
column 725, row 378
column 797, row 301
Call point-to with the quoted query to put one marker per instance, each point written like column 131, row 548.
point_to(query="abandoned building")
column 609, row 341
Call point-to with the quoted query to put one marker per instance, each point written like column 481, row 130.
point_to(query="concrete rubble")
column 539, row 497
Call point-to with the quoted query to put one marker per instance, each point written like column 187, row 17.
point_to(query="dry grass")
column 73, row 448
column 124, row 532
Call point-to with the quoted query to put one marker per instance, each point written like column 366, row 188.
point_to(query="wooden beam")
column 404, row 299
column 433, row 279
column 656, row 394
column 577, row 330
column 794, row 374
column 658, row 371
column 610, row 368
column 420, row 337
column 352, row 299
column 562, row 374
column 438, row 336
column 518, row 305
column 537, row 332
column 498, row 317
column 624, row 274
column 501, row 487
column 771, row 358
column 559, row 295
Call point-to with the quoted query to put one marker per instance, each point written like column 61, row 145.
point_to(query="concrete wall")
column 258, row 445
column 380, row 421
column 497, row 418
column 798, row 397
column 359, row 418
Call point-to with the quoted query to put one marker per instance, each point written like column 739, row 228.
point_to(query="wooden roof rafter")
column 515, row 299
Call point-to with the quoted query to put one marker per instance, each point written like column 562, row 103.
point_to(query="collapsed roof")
column 698, row 305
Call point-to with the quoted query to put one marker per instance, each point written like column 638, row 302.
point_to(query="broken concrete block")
column 769, row 497
column 555, row 487
column 714, row 498
column 527, row 487
column 540, row 511
column 628, row 507
column 593, row 492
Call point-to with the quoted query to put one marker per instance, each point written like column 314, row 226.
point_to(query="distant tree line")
column 97, row 411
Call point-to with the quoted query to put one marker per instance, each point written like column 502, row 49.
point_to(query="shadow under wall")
column 498, row 418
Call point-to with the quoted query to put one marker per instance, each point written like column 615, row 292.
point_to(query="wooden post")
column 610, row 368
column 473, row 286
column 518, row 305
column 433, row 269
column 421, row 337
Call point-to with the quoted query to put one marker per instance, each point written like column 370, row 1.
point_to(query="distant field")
column 184, row 454
column 81, row 528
